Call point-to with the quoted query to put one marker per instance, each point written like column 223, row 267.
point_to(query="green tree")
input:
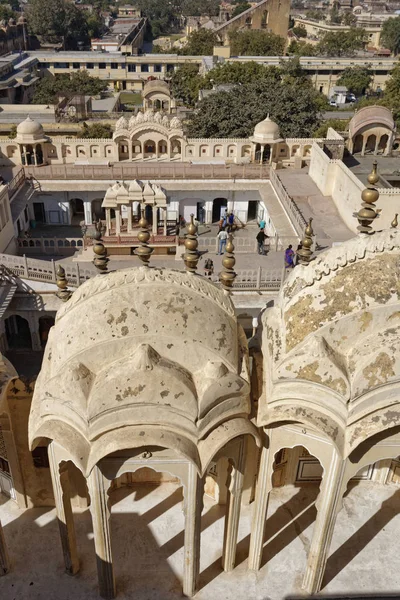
column 57, row 21
column 391, row 97
column 240, row 73
column 80, row 82
column 334, row 14
column 186, row 83
column 390, row 35
column 290, row 101
column 13, row 132
column 301, row 48
column 337, row 124
column 314, row 14
column 300, row 31
column 253, row 42
column 356, row 79
column 94, row 23
column 96, row 131
column 6, row 13
column 342, row 43
column 200, row 43
column 349, row 19
column 239, row 8
column 200, row 7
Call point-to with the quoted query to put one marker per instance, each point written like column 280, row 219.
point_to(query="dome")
column 132, row 360
column 267, row 130
column 29, row 131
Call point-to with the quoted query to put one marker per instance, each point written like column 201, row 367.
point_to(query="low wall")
column 334, row 179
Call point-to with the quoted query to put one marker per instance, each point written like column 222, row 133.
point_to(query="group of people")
column 292, row 257
column 225, row 226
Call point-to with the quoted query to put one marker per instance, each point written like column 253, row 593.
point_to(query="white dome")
column 267, row 129
column 30, row 127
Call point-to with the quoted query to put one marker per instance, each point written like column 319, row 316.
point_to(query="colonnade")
column 375, row 142
column 130, row 230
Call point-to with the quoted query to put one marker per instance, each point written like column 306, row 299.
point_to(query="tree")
column 200, row 43
column 314, row 14
column 334, row 15
column 390, row 35
column 342, row 43
column 301, row 48
column 290, row 101
column 80, row 82
column 186, row 83
column 391, row 97
column 94, row 23
column 356, row 79
column 96, row 131
column 253, row 42
column 6, row 13
column 300, row 31
column 57, row 20
column 240, row 73
column 337, row 124
column 349, row 19
column 196, row 8
column 239, row 8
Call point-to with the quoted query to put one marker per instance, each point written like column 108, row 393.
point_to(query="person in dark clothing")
column 261, row 237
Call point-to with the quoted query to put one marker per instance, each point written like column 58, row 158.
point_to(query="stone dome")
column 267, row 131
column 30, row 131
column 143, row 357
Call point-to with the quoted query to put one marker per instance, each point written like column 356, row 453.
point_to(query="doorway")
column 220, row 206
column 252, row 210
column 45, row 324
column 39, row 212
column 18, row 333
column 201, row 212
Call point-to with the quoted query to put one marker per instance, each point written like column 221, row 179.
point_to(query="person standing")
column 262, row 224
column 231, row 220
column 289, row 257
column 222, row 237
column 261, row 237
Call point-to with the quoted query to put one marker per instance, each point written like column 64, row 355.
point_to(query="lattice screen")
column 3, row 451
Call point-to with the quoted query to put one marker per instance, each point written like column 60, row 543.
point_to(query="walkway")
column 147, row 543
column 328, row 225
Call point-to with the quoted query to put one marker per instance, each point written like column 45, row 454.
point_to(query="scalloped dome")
column 267, row 129
column 30, row 127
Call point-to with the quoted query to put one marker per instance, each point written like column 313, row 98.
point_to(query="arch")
column 246, row 151
column 358, row 143
column 45, row 324
column 176, row 147
column 162, row 147
column 108, row 150
column 149, row 148
column 97, row 210
column 204, row 150
column 383, row 143
column 190, row 151
column 11, row 151
column 123, row 150
column 18, row 333
column 94, row 151
column 218, row 150
column 232, row 150
column 267, row 153
column 80, row 151
column 307, row 150
column 294, row 149
column 370, row 144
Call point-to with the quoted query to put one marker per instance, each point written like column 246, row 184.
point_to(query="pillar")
column 98, row 487
column 264, row 486
column 235, row 487
column 165, row 221
column 193, row 508
column 34, row 329
column 87, row 206
column 129, row 207
column 4, row 560
column 118, row 220
column 154, row 228
column 292, row 465
column 34, row 157
column 378, row 139
column 130, row 150
column 108, row 221
column 62, row 497
column 363, row 145
column 328, row 505
column 261, row 153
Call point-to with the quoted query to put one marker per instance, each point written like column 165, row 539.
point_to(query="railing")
column 256, row 280
column 53, row 246
column 155, row 170
column 295, row 214
column 16, row 182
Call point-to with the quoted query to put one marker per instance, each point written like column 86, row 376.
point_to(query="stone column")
column 261, row 153
column 65, row 518
column 363, row 146
column 98, row 487
column 34, row 157
column 235, row 486
column 165, row 221
column 328, row 505
column 108, row 221
column 118, row 220
column 193, row 507
column 87, row 205
column 378, row 139
column 154, row 228
column 129, row 217
column 264, row 486
column 4, row 560
column 130, row 150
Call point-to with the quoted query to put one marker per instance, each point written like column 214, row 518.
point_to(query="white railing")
column 295, row 214
column 52, row 246
column 258, row 280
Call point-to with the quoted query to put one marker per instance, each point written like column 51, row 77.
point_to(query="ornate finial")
column 144, row 251
column 395, row 222
column 367, row 214
column 191, row 256
column 100, row 260
column 63, row 292
column 305, row 252
column 228, row 275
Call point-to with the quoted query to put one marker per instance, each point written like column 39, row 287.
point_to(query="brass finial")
column 367, row 214
column 305, row 252
column 228, row 275
column 62, row 283
column 395, row 222
column 191, row 256
column 144, row 251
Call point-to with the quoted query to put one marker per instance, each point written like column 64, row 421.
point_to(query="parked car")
column 332, row 102
column 350, row 98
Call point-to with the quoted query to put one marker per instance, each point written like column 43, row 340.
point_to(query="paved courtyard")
column 147, row 539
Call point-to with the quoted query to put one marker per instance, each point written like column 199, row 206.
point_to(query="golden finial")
column 395, row 222
column 100, row 261
column 367, row 214
column 228, row 275
column 191, row 256
column 62, row 283
column 305, row 252
column 144, row 251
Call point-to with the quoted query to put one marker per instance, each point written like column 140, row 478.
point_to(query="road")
column 338, row 114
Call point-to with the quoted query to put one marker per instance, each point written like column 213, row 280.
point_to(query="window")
column 170, row 68
column 89, row 65
column 114, row 65
column 102, row 65
column 61, row 65
column 145, row 68
column 131, row 68
column 157, row 68
column 4, row 465
column 76, row 65
column 40, row 457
